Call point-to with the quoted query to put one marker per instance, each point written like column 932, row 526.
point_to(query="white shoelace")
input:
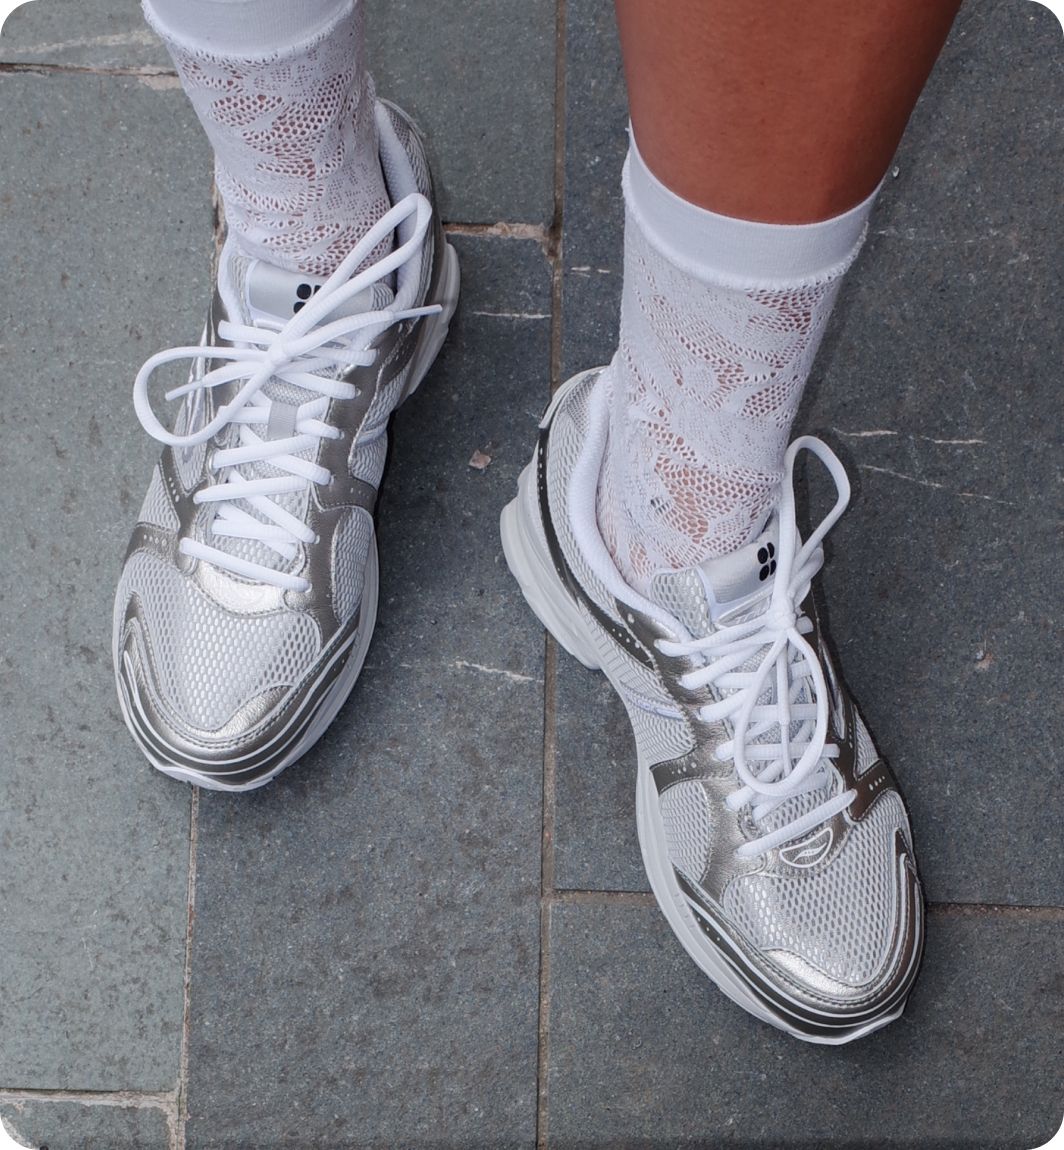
column 305, row 346
column 788, row 670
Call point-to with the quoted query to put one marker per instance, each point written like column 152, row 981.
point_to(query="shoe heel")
column 531, row 566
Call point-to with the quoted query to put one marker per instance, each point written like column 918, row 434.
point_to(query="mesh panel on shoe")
column 387, row 396
column 659, row 737
column 367, row 459
column 796, row 806
column 866, row 749
column 411, row 145
column 209, row 662
column 706, row 382
column 157, row 508
column 188, row 461
column 681, row 594
column 415, row 153
column 840, row 919
column 350, row 551
column 569, row 431
column 688, row 820
column 295, row 143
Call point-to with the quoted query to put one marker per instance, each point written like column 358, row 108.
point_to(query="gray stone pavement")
column 436, row 930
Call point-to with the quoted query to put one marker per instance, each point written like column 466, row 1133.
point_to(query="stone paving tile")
column 596, row 140
column 943, row 592
column 595, row 845
column 366, row 935
column 82, row 34
column 644, row 1052
column 73, row 1126
column 106, row 236
column 478, row 76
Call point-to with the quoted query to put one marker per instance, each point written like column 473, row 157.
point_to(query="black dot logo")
column 304, row 292
column 766, row 556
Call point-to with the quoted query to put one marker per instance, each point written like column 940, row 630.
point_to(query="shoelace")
column 304, row 347
column 787, row 670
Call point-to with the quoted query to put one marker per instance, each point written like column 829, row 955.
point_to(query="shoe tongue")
column 272, row 295
column 265, row 296
column 732, row 587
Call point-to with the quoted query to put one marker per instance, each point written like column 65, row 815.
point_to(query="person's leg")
column 760, row 133
column 784, row 113
column 284, row 96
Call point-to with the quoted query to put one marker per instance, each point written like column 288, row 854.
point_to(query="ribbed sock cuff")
column 246, row 29
column 734, row 252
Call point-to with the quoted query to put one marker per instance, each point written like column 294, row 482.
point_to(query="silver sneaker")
column 249, row 592
column 773, row 834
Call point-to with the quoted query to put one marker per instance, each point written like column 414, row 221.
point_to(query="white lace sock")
column 720, row 321
column 282, row 91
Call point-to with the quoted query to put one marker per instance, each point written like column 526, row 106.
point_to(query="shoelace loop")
column 787, row 668
column 306, row 346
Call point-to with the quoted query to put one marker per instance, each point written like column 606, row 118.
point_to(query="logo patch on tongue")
column 730, row 585
column 303, row 293
column 732, row 579
column 766, row 556
column 272, row 295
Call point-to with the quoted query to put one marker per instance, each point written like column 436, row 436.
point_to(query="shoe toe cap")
column 201, row 679
column 847, row 935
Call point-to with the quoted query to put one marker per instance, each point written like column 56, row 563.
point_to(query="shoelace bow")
column 296, row 354
column 788, row 668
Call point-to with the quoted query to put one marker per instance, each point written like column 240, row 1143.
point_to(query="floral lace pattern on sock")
column 705, row 386
column 295, row 145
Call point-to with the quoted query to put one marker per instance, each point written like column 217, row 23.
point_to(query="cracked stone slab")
column 646, row 1052
column 938, row 385
column 79, row 1126
column 106, row 254
column 82, row 34
column 366, row 928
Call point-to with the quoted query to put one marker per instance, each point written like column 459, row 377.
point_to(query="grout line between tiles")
column 550, row 667
column 570, row 896
column 999, row 910
column 598, row 897
column 551, row 243
column 503, row 229
column 181, row 1113
column 506, row 230
column 123, row 1099
column 117, row 1099
column 146, row 73
column 554, row 251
